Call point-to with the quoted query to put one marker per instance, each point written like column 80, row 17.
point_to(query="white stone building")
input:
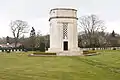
column 63, row 31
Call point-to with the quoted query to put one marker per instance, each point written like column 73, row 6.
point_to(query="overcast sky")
column 36, row 12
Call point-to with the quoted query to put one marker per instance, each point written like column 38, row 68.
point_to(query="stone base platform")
column 70, row 53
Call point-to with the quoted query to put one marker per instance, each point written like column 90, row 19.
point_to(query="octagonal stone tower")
column 63, row 30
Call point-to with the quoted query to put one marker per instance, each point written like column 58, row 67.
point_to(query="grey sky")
column 36, row 12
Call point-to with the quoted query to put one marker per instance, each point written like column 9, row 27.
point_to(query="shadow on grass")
column 98, row 64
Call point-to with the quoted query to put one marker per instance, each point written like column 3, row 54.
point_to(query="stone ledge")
column 69, row 53
column 63, row 17
column 63, row 9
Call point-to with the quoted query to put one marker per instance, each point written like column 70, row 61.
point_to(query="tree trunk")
column 16, row 41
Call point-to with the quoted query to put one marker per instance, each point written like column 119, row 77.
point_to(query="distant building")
column 114, row 40
column 10, row 45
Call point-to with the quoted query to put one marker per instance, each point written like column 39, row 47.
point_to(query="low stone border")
column 91, row 54
column 42, row 54
column 38, row 55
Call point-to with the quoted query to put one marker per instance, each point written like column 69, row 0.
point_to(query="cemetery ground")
column 18, row 66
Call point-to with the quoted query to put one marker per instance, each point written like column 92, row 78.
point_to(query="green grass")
column 18, row 66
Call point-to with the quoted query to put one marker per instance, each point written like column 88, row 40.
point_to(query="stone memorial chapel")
column 63, row 31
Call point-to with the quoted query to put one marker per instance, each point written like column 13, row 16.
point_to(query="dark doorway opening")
column 65, row 45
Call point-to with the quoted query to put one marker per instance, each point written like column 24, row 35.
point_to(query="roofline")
column 63, row 9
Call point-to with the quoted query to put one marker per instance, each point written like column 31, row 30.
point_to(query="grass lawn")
column 18, row 66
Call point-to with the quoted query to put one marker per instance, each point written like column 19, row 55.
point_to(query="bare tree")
column 90, row 25
column 18, row 27
column 39, row 38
